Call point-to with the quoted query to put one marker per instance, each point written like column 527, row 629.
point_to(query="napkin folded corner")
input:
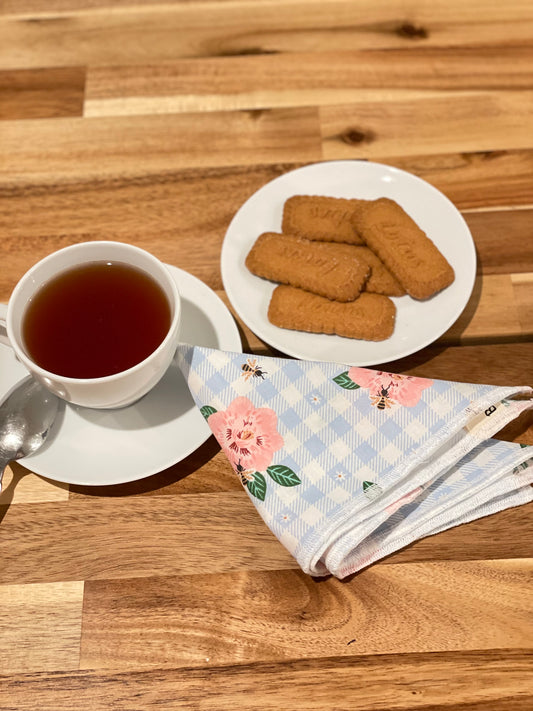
column 347, row 464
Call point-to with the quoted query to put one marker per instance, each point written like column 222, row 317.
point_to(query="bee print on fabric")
column 385, row 389
column 251, row 369
column 382, row 400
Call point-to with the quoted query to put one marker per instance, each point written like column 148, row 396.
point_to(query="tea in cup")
column 97, row 323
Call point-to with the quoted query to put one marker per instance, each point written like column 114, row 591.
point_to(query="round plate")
column 99, row 447
column 418, row 323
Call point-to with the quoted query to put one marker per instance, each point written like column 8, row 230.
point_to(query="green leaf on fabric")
column 207, row 411
column 283, row 475
column 345, row 382
column 258, row 486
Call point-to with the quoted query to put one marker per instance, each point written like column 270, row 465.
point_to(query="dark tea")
column 95, row 320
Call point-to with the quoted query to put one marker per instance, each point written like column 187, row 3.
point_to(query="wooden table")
column 152, row 123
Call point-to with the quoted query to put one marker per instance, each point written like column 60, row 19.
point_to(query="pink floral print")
column 247, row 435
column 389, row 388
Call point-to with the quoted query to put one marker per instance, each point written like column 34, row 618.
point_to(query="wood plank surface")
column 482, row 121
column 477, row 180
column 198, row 620
column 302, row 79
column 151, row 123
column 48, row 626
column 65, row 149
column 103, row 544
column 42, row 93
column 475, row 680
column 91, row 33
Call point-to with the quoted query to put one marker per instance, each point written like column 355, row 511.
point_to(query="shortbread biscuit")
column 371, row 317
column 322, row 218
column 315, row 266
column 403, row 247
column 380, row 281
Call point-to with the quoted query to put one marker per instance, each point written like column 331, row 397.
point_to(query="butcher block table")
column 152, row 123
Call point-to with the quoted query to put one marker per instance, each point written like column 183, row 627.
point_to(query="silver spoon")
column 26, row 416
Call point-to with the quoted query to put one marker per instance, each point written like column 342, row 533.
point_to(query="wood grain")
column 103, row 540
column 19, row 485
column 41, row 626
column 495, row 120
column 492, row 228
column 92, row 34
column 494, row 364
column 303, row 79
column 64, row 149
column 152, row 122
column 42, row 93
column 494, row 310
column 480, row 179
column 210, row 620
column 103, row 543
column 523, row 295
column 168, row 213
column 475, row 680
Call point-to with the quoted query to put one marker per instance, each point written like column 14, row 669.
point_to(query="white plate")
column 99, row 447
column 418, row 323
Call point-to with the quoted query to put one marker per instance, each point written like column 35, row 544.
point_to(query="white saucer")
column 418, row 323
column 99, row 447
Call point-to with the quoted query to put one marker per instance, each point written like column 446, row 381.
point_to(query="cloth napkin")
column 348, row 464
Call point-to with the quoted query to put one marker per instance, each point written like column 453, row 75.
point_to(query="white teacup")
column 110, row 391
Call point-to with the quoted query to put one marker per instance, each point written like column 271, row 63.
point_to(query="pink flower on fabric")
column 247, row 435
column 387, row 388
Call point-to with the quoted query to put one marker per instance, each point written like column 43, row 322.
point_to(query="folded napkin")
column 347, row 464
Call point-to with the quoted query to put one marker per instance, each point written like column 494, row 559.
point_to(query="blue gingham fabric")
column 347, row 465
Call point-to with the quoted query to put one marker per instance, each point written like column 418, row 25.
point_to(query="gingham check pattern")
column 371, row 480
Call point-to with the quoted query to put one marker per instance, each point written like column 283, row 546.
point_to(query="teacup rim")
column 104, row 379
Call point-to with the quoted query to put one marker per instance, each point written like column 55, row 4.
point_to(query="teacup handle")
column 3, row 330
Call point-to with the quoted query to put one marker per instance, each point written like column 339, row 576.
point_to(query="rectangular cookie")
column 322, row 218
column 403, row 247
column 371, row 317
column 380, row 281
column 315, row 266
